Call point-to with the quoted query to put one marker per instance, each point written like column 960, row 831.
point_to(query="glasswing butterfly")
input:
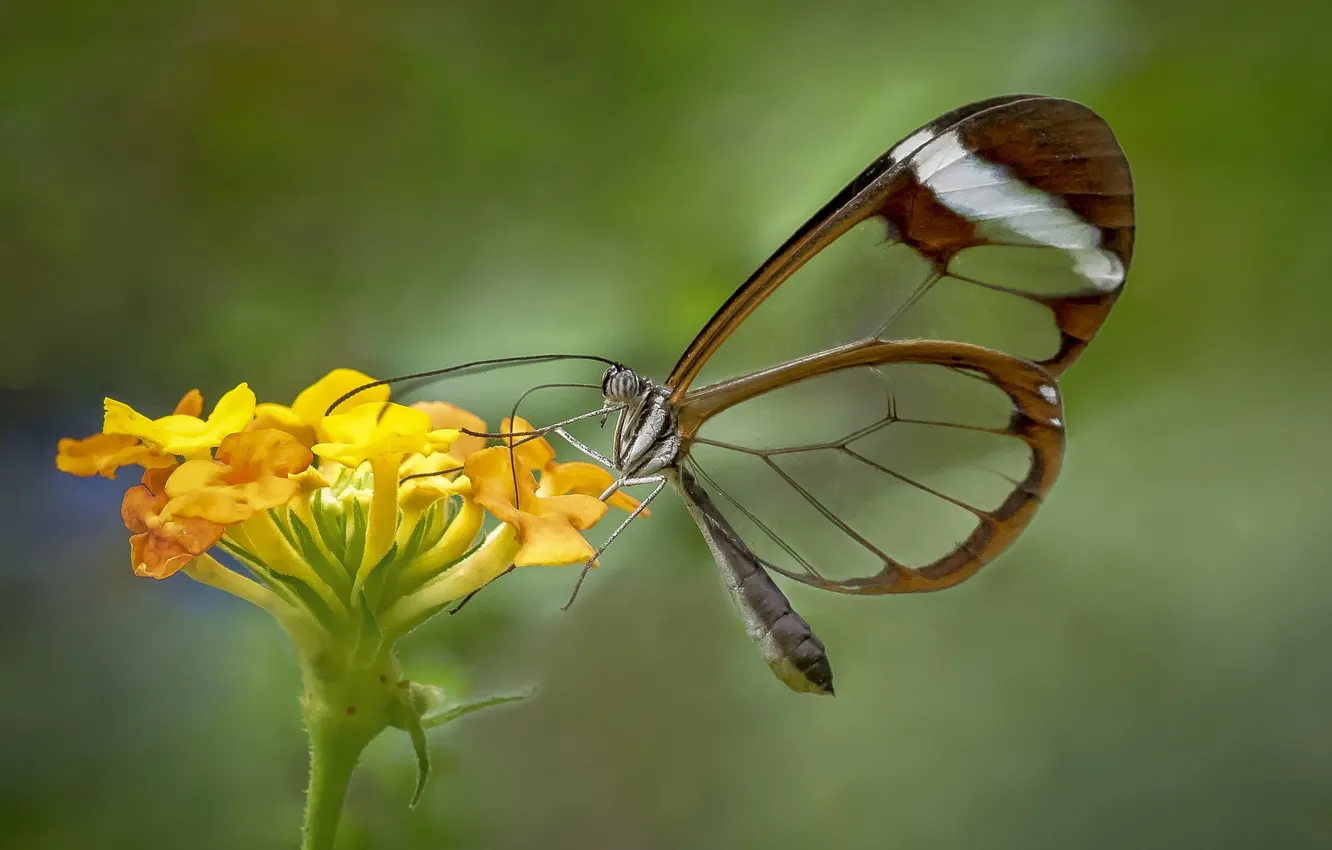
column 905, row 457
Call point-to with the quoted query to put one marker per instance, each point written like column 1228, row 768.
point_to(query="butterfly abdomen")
column 788, row 643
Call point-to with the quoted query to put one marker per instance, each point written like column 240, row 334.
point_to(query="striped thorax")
column 647, row 433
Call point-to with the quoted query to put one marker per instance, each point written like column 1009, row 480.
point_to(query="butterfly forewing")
column 1007, row 223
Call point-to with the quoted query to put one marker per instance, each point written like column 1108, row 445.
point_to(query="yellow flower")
column 180, row 433
column 371, row 430
column 445, row 415
column 305, row 417
column 251, row 474
column 162, row 545
column 381, row 433
column 548, row 528
column 347, row 557
column 102, row 454
column 438, row 479
column 558, row 479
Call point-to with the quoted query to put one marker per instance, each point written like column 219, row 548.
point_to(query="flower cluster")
column 372, row 513
column 355, row 523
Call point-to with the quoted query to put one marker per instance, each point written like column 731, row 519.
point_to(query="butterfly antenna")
column 474, row 367
column 513, row 443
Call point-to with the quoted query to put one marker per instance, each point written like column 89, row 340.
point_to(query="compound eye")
column 607, row 380
column 620, row 384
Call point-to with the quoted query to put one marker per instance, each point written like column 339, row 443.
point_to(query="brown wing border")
column 873, row 192
column 1037, row 419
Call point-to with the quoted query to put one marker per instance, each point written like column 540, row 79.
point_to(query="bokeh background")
column 195, row 194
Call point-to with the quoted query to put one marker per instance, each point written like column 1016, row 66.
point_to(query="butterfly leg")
column 660, row 481
column 584, row 448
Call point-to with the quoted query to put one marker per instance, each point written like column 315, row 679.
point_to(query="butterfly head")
column 621, row 384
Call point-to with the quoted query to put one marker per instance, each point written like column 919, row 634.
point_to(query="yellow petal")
column 222, row 505
column 120, row 418
column 233, row 412
column 419, row 493
column 181, row 433
column 194, row 475
column 310, row 405
column 280, row 417
column 441, row 439
column 367, row 421
column 376, row 430
column 445, row 415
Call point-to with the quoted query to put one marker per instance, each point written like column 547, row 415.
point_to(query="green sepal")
column 413, row 545
column 303, row 539
column 368, row 636
column 403, row 715
column 438, row 714
column 356, row 540
column 332, row 525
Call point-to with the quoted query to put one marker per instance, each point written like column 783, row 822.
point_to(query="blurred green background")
column 195, row 194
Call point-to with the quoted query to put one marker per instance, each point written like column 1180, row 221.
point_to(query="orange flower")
column 161, row 545
column 249, row 475
column 102, row 454
column 558, row 479
column 548, row 527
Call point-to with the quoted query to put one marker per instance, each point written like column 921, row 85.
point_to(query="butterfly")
column 938, row 437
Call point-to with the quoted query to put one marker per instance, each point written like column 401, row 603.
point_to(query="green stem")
column 345, row 706
column 333, row 757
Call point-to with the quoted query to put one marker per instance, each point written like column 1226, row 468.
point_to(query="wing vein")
column 772, row 535
column 827, row 514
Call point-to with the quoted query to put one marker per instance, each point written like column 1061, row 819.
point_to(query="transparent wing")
column 1007, row 223
column 886, row 467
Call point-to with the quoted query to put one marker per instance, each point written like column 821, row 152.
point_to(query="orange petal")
column 265, row 452
column 138, row 505
column 156, row 479
column 445, row 415
column 586, row 478
column 231, row 504
column 582, row 512
column 163, row 551
column 492, row 478
column 190, row 404
column 536, row 452
column 550, row 541
column 103, row 454
column 152, row 558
